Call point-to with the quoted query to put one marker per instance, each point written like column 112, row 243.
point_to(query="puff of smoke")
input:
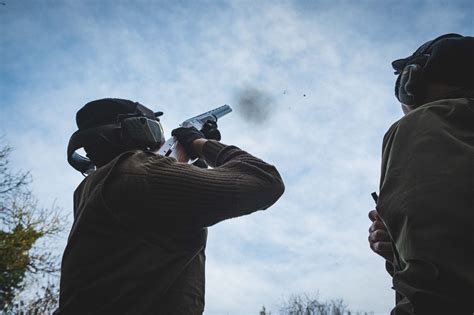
column 254, row 104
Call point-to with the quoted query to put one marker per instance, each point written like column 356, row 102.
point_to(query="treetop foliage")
column 22, row 224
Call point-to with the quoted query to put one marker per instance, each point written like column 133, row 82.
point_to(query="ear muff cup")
column 131, row 132
column 81, row 138
column 426, row 62
column 409, row 84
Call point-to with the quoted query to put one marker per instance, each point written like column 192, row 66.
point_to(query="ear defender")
column 142, row 132
column 135, row 132
column 411, row 71
column 408, row 84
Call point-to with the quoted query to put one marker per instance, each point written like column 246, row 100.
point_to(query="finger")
column 210, row 124
column 379, row 236
column 373, row 215
column 388, row 255
column 382, row 247
column 377, row 225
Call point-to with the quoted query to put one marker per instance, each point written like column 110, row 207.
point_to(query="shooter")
column 137, row 245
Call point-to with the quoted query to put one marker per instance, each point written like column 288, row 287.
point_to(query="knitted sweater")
column 140, row 226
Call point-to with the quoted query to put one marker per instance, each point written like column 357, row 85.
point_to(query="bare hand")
column 180, row 153
column 379, row 239
column 198, row 145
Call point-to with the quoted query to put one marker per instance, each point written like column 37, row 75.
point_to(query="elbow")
column 279, row 189
column 261, row 196
column 274, row 192
column 260, row 190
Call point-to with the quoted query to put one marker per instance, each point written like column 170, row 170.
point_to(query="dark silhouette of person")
column 423, row 224
column 137, row 244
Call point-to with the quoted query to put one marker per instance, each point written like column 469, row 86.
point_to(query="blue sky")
column 323, row 66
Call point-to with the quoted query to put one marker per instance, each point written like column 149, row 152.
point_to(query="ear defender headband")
column 410, row 71
column 408, row 84
column 135, row 130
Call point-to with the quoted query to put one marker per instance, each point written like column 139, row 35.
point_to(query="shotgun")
column 170, row 149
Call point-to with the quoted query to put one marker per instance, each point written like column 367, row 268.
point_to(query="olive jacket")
column 427, row 203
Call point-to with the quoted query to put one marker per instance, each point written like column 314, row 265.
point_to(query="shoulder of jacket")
column 139, row 162
column 390, row 132
column 438, row 110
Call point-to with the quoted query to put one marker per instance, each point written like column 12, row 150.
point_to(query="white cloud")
column 190, row 58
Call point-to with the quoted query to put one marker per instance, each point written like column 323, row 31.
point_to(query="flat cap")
column 447, row 59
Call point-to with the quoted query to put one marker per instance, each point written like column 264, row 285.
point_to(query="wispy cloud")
column 323, row 66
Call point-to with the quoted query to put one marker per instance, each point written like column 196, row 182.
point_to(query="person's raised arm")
column 181, row 194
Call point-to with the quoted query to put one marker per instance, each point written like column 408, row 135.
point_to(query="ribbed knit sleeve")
column 150, row 190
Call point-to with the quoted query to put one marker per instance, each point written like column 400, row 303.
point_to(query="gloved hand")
column 186, row 136
column 210, row 130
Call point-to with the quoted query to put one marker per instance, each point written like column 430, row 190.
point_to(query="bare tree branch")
column 10, row 181
column 22, row 259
